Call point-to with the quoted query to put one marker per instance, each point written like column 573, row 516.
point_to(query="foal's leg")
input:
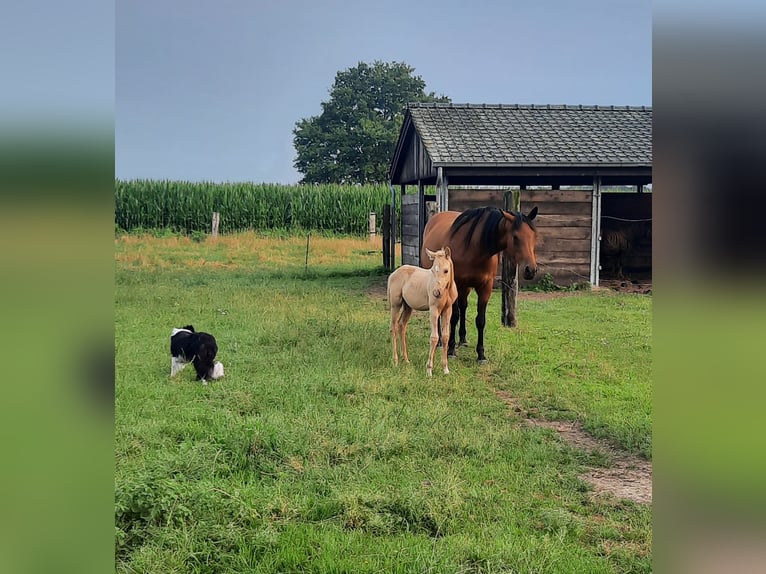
column 446, row 318
column 395, row 310
column 481, row 319
column 434, row 313
column 403, row 320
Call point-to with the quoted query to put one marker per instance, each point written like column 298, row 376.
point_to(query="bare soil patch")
column 640, row 286
column 629, row 476
column 378, row 290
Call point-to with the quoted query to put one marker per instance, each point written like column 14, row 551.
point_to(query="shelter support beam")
column 442, row 190
column 421, row 216
column 595, row 242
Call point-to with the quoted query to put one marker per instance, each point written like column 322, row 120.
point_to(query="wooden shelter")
column 469, row 154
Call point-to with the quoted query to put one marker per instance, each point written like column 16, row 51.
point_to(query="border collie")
column 187, row 345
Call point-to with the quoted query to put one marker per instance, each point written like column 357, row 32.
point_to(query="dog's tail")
column 189, row 328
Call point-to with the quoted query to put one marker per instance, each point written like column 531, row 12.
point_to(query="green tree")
column 353, row 139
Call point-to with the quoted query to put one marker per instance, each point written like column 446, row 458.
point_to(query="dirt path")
column 629, row 477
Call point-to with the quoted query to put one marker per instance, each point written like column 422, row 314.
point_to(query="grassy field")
column 316, row 454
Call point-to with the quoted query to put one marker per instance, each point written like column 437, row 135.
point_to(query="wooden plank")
column 410, row 199
column 564, row 233
column 547, row 245
column 576, row 268
column 475, row 198
column 563, row 220
column 529, row 196
column 564, row 259
column 410, row 255
column 461, row 199
column 571, row 208
column 411, row 229
column 564, row 253
column 561, row 277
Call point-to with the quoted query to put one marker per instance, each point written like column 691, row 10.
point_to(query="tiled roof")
column 527, row 135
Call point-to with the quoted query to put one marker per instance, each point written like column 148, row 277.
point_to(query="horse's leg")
column 452, row 328
column 434, row 314
column 481, row 310
column 395, row 310
column 403, row 320
column 458, row 314
column 446, row 318
column 462, row 303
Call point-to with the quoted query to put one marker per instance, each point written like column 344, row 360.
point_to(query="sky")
column 211, row 90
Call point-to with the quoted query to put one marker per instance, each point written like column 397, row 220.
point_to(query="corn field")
column 187, row 207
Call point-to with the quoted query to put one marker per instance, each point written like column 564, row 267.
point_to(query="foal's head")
column 442, row 274
column 521, row 249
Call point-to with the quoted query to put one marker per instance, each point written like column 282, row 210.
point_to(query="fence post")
column 510, row 277
column 373, row 230
column 216, row 220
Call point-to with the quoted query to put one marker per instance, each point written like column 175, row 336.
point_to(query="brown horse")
column 477, row 237
column 433, row 290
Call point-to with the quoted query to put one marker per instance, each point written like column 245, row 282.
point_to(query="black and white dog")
column 187, row 345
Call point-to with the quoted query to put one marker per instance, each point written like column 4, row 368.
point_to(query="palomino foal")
column 432, row 290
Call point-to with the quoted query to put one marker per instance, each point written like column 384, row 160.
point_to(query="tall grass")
column 186, row 207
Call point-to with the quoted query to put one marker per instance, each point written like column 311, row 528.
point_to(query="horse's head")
column 521, row 248
column 442, row 274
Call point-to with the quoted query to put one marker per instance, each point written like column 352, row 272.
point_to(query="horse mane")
column 490, row 230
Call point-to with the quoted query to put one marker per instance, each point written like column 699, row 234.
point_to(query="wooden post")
column 373, row 229
column 510, row 276
column 442, row 190
column 216, row 220
column 421, row 217
column 387, row 237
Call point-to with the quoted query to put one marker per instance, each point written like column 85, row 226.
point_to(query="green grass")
column 316, row 454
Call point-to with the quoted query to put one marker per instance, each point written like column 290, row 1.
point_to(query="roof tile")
column 549, row 134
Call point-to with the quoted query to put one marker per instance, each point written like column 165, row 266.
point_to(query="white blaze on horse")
column 434, row 290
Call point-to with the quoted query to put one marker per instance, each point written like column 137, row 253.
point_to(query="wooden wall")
column 563, row 228
column 563, row 233
column 410, row 230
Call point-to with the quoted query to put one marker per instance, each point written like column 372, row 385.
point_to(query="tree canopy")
column 353, row 139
